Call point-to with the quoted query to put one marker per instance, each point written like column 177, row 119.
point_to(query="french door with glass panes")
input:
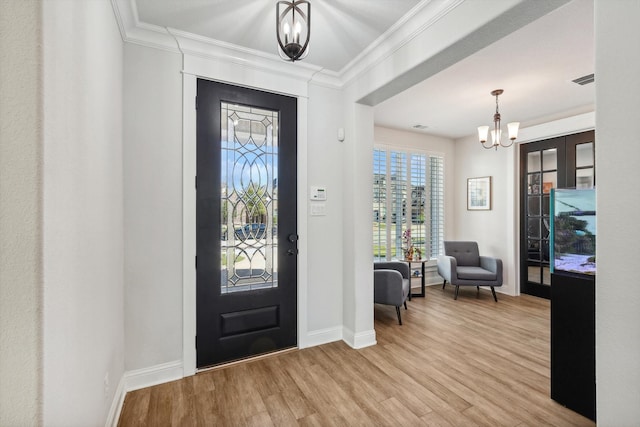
column 563, row 162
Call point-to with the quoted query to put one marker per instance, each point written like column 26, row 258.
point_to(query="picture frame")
column 479, row 193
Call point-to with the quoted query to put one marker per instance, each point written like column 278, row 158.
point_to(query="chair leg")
column 444, row 283
column 478, row 287
column 493, row 291
column 457, row 289
column 399, row 317
column 405, row 305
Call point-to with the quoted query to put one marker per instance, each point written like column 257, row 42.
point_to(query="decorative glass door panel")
column 249, row 198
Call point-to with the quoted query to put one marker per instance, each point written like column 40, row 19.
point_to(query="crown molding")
column 205, row 47
column 134, row 31
column 422, row 16
column 173, row 40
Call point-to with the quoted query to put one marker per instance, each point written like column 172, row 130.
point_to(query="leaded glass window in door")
column 249, row 198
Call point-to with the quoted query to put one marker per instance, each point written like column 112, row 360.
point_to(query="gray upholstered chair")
column 462, row 265
column 392, row 284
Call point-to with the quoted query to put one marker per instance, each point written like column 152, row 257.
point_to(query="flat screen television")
column 573, row 231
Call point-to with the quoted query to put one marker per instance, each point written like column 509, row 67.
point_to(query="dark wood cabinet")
column 573, row 343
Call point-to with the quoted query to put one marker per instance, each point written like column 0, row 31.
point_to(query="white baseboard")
column 365, row 339
column 154, row 375
column 141, row 378
column 359, row 340
column 322, row 336
column 116, row 406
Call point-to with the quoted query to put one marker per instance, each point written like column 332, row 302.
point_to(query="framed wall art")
column 479, row 194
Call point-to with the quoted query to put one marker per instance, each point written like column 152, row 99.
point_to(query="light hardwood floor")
column 452, row 363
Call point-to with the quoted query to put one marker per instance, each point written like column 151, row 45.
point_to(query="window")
column 408, row 203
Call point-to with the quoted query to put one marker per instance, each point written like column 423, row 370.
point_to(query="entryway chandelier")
column 496, row 133
column 293, row 28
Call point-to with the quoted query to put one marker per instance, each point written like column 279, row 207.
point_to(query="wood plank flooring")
column 470, row 362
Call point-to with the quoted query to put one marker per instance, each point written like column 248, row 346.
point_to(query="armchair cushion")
column 475, row 273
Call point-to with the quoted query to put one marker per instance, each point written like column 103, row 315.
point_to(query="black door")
column 246, row 223
column 562, row 162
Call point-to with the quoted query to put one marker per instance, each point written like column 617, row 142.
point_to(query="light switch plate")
column 318, row 209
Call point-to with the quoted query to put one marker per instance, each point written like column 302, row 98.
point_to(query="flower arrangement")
column 410, row 252
column 406, row 244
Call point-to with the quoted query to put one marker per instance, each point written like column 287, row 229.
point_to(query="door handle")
column 291, row 252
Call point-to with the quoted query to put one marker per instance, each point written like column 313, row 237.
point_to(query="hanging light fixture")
column 496, row 133
column 293, row 28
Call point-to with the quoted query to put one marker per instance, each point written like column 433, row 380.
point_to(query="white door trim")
column 199, row 67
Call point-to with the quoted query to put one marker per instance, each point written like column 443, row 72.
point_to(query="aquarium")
column 573, row 231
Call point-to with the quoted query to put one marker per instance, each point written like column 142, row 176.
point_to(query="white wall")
column 495, row 229
column 325, row 164
column 152, row 206
column 82, row 212
column 20, row 213
column 618, row 203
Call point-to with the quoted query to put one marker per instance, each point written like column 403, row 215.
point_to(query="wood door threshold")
column 246, row 360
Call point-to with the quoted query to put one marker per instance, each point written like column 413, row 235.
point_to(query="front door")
column 246, row 245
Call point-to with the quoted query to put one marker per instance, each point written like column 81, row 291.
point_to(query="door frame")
column 275, row 84
column 272, row 307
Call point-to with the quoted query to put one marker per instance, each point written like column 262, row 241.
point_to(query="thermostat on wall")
column 318, row 193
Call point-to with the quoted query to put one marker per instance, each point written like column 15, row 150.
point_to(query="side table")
column 415, row 262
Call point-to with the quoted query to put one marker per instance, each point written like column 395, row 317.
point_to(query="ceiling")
column 534, row 65
column 340, row 29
